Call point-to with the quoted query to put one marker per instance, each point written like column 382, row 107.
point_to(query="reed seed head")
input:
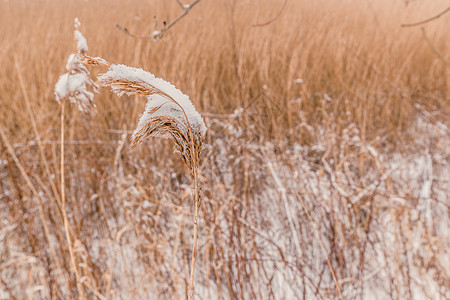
column 76, row 85
column 168, row 111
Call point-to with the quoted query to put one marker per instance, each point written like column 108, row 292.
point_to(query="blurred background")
column 325, row 173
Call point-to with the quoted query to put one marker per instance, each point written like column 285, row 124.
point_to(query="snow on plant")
column 75, row 84
column 168, row 112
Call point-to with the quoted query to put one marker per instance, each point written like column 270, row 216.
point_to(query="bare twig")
column 158, row 34
column 439, row 55
column 274, row 18
column 180, row 3
column 131, row 34
column 187, row 9
column 429, row 19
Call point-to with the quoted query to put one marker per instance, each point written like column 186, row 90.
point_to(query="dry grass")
column 351, row 150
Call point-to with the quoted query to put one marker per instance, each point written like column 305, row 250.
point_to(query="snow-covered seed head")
column 168, row 111
column 76, row 85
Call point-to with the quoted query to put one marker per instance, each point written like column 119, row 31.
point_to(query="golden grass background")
column 358, row 67
column 350, row 50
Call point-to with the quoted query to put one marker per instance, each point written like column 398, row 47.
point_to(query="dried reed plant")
column 341, row 72
column 168, row 113
column 74, row 85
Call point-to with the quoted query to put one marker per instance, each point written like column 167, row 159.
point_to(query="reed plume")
column 168, row 113
column 76, row 85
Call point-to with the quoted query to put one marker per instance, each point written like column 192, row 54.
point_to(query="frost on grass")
column 76, row 85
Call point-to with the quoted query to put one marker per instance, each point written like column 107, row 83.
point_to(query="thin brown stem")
column 194, row 243
column 80, row 288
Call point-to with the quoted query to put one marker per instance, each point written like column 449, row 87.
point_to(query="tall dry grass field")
column 325, row 173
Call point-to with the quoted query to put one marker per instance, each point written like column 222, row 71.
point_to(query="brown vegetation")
column 326, row 127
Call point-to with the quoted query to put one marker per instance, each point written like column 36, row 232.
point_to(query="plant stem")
column 64, row 213
column 194, row 243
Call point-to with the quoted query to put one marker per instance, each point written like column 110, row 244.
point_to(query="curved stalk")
column 194, row 243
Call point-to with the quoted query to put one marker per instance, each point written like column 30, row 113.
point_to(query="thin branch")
column 273, row 19
column 187, row 8
column 126, row 31
column 158, row 34
column 181, row 4
column 428, row 20
column 439, row 55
